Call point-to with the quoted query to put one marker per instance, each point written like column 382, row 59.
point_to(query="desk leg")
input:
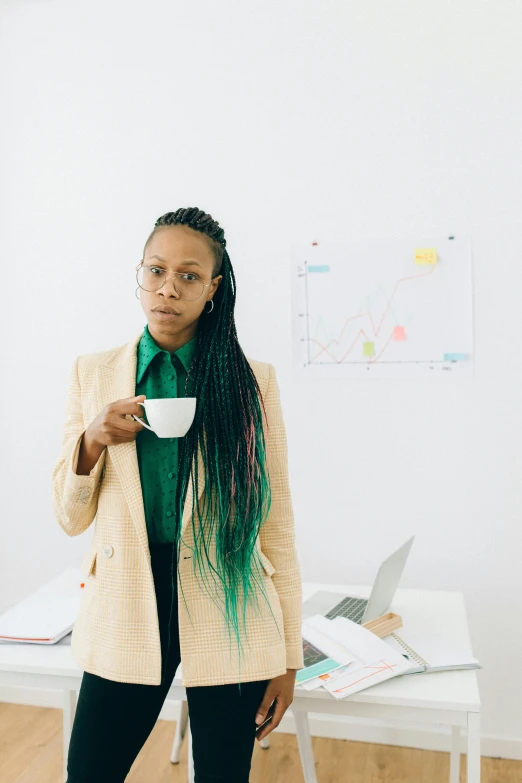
column 181, row 730
column 473, row 747
column 304, row 742
column 69, row 711
column 455, row 755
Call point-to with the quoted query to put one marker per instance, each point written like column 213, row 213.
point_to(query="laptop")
column 362, row 610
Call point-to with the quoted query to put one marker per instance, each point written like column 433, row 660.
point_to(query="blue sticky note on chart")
column 455, row 357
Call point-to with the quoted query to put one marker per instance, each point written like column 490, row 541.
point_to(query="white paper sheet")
column 373, row 660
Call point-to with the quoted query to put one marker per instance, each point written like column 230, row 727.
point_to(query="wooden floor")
column 31, row 752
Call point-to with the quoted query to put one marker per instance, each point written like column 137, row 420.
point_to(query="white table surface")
column 419, row 609
column 450, row 698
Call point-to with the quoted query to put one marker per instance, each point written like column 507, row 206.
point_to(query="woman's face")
column 177, row 249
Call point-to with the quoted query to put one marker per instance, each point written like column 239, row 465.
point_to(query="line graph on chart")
column 383, row 308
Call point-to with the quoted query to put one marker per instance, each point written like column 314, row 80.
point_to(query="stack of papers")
column 344, row 657
column 46, row 615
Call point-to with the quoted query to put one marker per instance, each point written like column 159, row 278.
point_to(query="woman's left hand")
column 282, row 690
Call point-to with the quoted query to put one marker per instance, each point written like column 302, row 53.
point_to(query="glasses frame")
column 173, row 275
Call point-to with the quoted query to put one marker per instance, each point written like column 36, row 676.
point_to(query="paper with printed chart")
column 383, row 308
column 322, row 654
column 373, row 661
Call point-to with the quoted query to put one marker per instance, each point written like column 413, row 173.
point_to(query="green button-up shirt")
column 160, row 374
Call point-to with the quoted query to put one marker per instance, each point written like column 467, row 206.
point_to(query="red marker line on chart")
column 368, row 314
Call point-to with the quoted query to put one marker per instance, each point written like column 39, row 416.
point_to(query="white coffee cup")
column 170, row 417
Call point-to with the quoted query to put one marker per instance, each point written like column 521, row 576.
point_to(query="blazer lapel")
column 116, row 380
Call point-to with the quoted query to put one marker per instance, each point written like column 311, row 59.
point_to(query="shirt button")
column 169, row 513
column 171, row 440
column 170, row 475
column 170, row 377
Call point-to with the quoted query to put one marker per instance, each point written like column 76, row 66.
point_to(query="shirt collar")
column 148, row 348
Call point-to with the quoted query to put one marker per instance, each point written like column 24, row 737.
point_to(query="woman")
column 193, row 556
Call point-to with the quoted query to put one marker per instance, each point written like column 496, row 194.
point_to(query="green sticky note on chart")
column 369, row 349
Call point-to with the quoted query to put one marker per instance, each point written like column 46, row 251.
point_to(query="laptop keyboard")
column 352, row 608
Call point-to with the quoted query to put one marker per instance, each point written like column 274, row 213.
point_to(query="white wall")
column 288, row 122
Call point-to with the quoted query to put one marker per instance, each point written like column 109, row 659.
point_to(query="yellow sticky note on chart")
column 426, row 255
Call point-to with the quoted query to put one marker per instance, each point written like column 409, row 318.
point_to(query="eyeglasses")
column 187, row 284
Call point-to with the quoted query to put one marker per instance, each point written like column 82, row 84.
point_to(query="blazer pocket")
column 88, row 565
column 267, row 565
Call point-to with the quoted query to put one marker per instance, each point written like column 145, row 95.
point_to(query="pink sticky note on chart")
column 399, row 333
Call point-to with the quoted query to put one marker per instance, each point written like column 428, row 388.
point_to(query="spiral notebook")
column 430, row 653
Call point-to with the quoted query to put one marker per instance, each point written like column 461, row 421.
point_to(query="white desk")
column 449, row 698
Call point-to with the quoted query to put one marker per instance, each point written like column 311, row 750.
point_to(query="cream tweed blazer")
column 116, row 633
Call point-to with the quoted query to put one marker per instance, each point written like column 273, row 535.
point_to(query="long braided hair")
column 228, row 427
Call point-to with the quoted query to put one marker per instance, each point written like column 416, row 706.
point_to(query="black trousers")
column 114, row 719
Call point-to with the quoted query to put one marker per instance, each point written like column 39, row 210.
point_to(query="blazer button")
column 108, row 550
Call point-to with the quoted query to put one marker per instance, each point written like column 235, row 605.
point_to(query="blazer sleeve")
column 75, row 498
column 277, row 535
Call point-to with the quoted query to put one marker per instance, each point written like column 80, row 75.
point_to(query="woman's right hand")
column 111, row 427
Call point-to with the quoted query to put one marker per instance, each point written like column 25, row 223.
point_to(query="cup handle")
column 141, row 420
